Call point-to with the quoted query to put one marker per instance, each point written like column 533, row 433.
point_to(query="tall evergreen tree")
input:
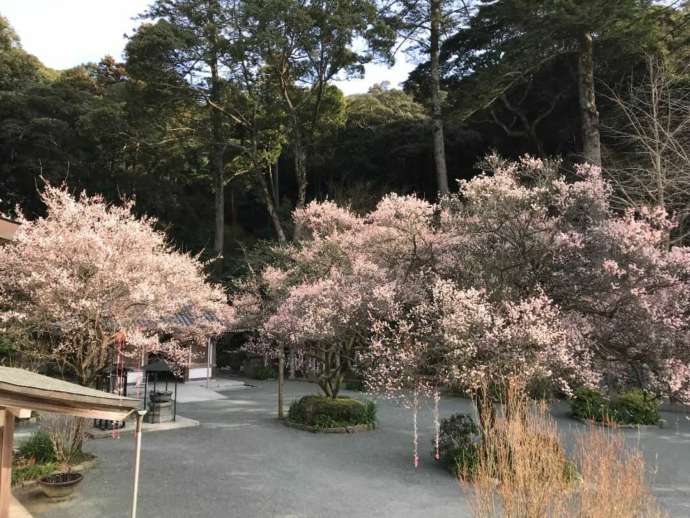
column 508, row 40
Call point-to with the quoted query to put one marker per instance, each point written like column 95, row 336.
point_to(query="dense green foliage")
column 458, row 445
column 197, row 101
column 325, row 412
column 28, row 472
column 590, row 404
column 636, row 407
column 38, row 447
column 35, row 458
column 633, row 407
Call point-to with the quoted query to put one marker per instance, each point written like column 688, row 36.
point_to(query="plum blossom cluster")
column 90, row 280
column 522, row 274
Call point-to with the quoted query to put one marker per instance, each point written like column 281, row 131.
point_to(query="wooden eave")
column 24, row 389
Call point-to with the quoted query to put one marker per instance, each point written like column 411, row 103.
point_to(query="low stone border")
column 338, row 429
column 660, row 424
column 181, row 422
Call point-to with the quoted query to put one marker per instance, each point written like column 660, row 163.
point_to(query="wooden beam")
column 76, row 409
column 6, row 464
column 109, row 400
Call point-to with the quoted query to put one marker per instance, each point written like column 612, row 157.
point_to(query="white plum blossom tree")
column 90, row 281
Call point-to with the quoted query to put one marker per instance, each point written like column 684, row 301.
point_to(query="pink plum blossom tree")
column 622, row 293
column 90, row 281
column 526, row 273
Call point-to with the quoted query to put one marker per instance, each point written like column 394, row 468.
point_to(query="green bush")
column 38, row 447
column 541, row 389
column 254, row 368
column 31, row 472
column 325, row 412
column 265, row 373
column 635, row 407
column 631, row 407
column 459, row 444
column 354, row 384
column 590, row 404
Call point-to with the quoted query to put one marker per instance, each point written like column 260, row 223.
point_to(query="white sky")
column 65, row 33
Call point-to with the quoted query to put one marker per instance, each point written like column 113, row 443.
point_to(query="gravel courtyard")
column 242, row 462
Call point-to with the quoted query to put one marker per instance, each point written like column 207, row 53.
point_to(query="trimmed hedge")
column 633, row 407
column 325, row 412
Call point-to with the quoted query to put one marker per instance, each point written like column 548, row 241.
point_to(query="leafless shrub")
column 524, row 471
column 67, row 435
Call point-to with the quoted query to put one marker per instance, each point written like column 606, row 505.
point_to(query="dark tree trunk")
column 591, row 142
column 217, row 163
column 276, row 184
column 436, row 113
column 281, row 382
column 333, row 374
column 300, row 156
column 270, row 207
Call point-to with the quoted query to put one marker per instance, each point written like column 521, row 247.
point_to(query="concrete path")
column 17, row 510
column 242, row 462
column 195, row 391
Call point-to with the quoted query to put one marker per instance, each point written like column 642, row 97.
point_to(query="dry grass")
column 614, row 478
column 524, row 471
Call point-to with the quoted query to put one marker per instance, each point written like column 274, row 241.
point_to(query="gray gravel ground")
column 242, row 462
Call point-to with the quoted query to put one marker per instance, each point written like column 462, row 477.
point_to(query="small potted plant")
column 60, row 485
column 67, row 435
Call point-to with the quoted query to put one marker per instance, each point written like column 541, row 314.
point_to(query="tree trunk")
column 300, row 156
column 270, row 207
column 233, row 207
column 591, row 142
column 216, row 163
column 436, row 113
column 276, row 184
column 332, row 375
column 281, row 382
column 219, row 207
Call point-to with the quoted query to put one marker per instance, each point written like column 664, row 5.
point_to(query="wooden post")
column 137, row 461
column 208, row 360
column 6, row 463
column 281, row 382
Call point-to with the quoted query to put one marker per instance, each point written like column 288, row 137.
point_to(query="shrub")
column 66, row 433
column 38, row 448
column 254, row 368
column 31, row 472
column 265, row 373
column 325, row 412
column 635, row 407
column 631, row 407
column 590, row 404
column 541, row 388
column 616, row 478
column 523, row 472
column 458, row 444
column 354, row 384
